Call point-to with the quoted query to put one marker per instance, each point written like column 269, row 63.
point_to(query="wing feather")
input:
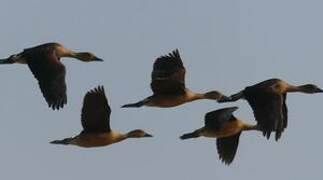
column 168, row 75
column 96, row 111
column 227, row 148
column 267, row 106
column 50, row 73
column 216, row 119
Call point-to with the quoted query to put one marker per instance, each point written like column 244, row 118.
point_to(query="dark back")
column 216, row 119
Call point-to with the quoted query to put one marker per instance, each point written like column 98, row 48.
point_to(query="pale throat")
column 191, row 96
column 64, row 52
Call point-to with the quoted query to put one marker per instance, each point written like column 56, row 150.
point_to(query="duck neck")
column 65, row 52
column 292, row 88
column 249, row 127
column 116, row 136
column 194, row 96
column 198, row 96
column 76, row 55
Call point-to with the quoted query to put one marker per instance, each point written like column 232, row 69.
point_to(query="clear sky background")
column 225, row 45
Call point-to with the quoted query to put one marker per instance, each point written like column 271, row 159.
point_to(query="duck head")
column 87, row 57
column 215, row 95
column 138, row 133
column 310, row 89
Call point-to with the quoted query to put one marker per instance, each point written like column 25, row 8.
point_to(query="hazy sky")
column 225, row 45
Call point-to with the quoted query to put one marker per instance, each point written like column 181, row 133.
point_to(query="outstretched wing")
column 267, row 106
column 96, row 111
column 285, row 112
column 227, row 148
column 168, row 75
column 216, row 119
column 50, row 73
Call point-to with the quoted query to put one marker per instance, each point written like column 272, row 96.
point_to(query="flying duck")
column 44, row 62
column 221, row 124
column 168, row 85
column 95, row 120
column 268, row 102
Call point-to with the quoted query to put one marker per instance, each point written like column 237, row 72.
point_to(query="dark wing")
column 285, row 111
column 266, row 83
column 216, row 119
column 168, row 75
column 95, row 111
column 267, row 107
column 50, row 73
column 227, row 148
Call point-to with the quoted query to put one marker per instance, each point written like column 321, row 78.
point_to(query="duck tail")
column 6, row 61
column 9, row 60
column 137, row 104
column 65, row 141
column 194, row 134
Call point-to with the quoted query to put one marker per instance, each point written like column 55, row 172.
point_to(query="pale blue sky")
column 225, row 45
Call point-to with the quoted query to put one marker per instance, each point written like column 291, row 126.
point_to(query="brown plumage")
column 44, row 62
column 95, row 120
column 168, row 84
column 221, row 124
column 268, row 102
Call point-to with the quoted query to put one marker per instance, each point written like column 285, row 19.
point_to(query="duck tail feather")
column 10, row 60
column 137, row 104
column 194, row 134
column 65, row 141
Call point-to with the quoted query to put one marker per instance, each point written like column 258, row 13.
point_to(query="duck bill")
column 148, row 135
column 98, row 59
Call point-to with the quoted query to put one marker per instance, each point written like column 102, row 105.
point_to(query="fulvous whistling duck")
column 268, row 102
column 168, row 84
column 44, row 62
column 95, row 120
column 221, row 124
